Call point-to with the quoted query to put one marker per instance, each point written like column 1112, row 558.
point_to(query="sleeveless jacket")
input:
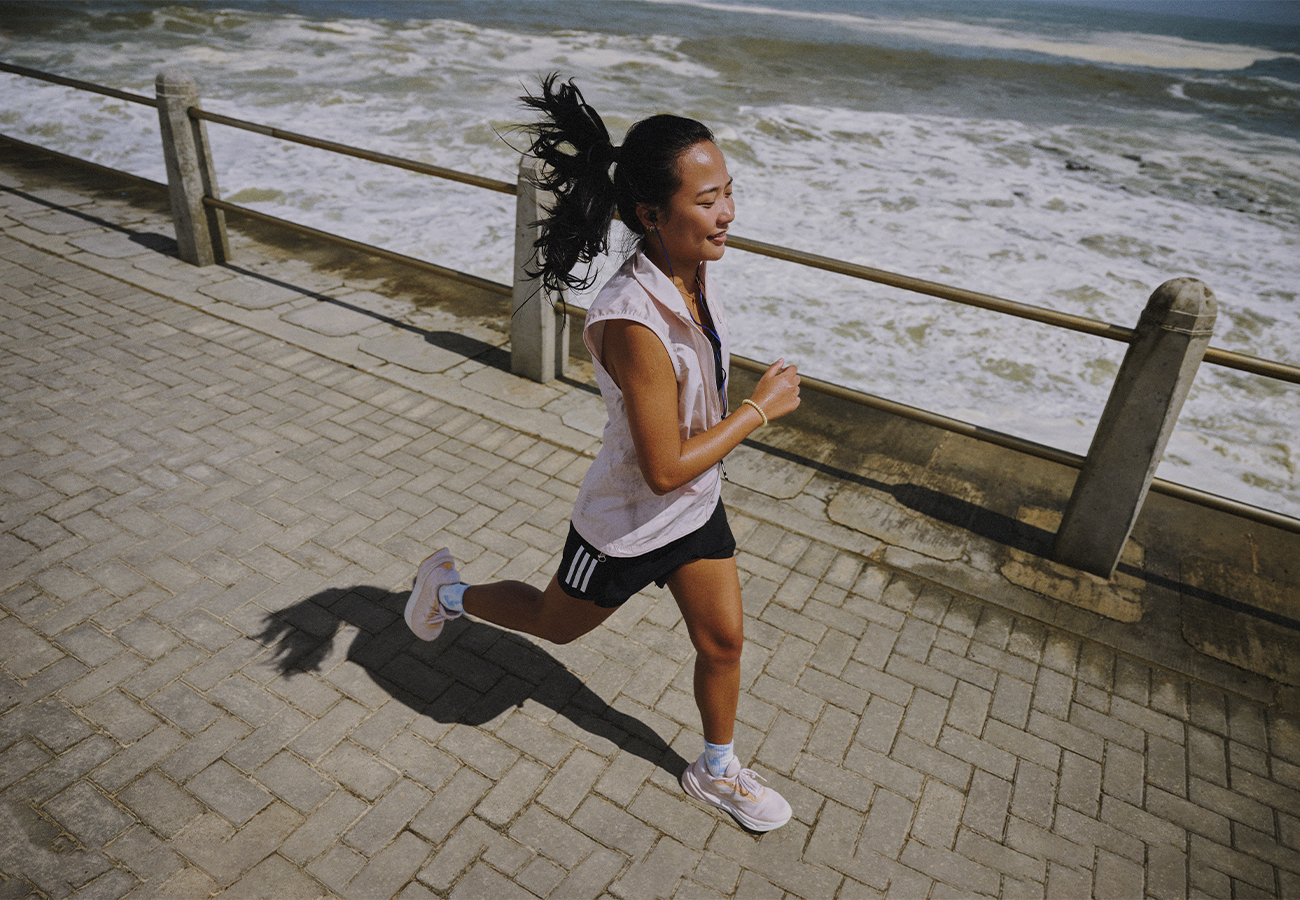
column 616, row 511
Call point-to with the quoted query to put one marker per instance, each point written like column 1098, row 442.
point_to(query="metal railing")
column 1217, row 356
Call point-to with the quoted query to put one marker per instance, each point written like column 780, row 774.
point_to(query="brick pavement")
column 213, row 500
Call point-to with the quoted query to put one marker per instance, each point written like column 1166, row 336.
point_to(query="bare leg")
column 708, row 593
column 551, row 614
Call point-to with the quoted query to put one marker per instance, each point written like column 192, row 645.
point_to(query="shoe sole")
column 691, row 785
column 417, row 613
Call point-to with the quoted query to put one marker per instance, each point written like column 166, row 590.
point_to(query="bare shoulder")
column 631, row 349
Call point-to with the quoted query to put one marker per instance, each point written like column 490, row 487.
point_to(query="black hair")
column 575, row 146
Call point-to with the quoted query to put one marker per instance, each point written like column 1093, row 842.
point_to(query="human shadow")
column 470, row 675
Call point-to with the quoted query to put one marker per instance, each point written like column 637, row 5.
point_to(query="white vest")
column 616, row 512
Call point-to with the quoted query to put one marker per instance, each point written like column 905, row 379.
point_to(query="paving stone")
column 121, row 716
column 378, row 827
column 572, row 782
column 1080, row 783
column 160, row 803
column 326, row 732
column 147, row 637
column 457, row 853
column 659, row 873
column 19, row 759
column 1034, row 794
column 450, row 805
column 130, row 761
column 511, row 792
column 294, row 782
column 357, row 770
column 89, row 814
column 951, row 868
column 987, row 803
column 937, row 815
column 89, row 644
column 1166, row 872
column 1011, row 700
column 275, row 878
column 321, row 830
column 225, row 853
column 1016, row 865
column 200, row 752
column 969, row 708
column 228, row 791
column 57, row 727
column 184, row 707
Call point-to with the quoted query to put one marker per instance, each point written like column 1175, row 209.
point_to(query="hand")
column 777, row 391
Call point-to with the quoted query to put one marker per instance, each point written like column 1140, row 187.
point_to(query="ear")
column 648, row 215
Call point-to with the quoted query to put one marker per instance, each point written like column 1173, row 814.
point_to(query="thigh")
column 567, row 618
column 708, row 593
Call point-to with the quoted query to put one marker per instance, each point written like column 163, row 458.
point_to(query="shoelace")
column 747, row 783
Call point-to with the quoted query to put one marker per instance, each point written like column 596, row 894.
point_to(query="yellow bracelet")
column 757, row 407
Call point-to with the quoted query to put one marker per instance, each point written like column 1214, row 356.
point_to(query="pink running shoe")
column 424, row 614
column 738, row 793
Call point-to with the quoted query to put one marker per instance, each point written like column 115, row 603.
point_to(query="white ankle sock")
column 718, row 756
column 452, row 597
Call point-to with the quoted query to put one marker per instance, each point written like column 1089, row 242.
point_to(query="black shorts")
column 609, row 581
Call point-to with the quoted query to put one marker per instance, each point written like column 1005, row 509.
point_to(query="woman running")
column 649, row 509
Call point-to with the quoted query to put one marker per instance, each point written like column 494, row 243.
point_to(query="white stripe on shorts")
column 586, row 578
column 579, row 560
column 580, row 570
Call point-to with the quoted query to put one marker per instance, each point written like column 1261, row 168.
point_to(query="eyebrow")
column 714, row 190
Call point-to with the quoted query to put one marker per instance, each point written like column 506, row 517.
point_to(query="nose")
column 726, row 211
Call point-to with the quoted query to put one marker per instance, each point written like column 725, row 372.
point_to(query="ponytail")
column 576, row 228
column 577, row 151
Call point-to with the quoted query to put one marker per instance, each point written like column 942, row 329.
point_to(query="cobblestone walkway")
column 210, row 524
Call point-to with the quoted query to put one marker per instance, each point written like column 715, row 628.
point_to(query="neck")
column 683, row 275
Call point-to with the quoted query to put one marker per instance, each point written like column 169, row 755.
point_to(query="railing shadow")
column 150, row 240
column 470, row 675
column 972, row 517
column 462, row 345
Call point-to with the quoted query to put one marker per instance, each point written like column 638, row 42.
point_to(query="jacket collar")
column 661, row 287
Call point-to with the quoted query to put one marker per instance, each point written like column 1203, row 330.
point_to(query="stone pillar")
column 200, row 231
column 539, row 334
column 1172, row 336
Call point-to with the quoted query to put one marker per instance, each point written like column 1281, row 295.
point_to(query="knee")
column 721, row 648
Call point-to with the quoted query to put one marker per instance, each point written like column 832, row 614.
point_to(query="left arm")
column 638, row 363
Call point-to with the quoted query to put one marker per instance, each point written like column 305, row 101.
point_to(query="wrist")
column 758, row 409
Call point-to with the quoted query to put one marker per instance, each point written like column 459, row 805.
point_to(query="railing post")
column 200, row 231
column 539, row 337
column 1171, row 338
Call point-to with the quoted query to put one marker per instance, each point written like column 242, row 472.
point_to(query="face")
column 694, row 224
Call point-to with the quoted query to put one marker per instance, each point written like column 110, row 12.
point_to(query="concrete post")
column 539, row 336
column 200, row 231
column 1171, row 339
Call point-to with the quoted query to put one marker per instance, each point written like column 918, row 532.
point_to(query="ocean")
column 1067, row 156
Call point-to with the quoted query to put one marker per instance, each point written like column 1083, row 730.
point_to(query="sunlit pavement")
column 216, row 485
